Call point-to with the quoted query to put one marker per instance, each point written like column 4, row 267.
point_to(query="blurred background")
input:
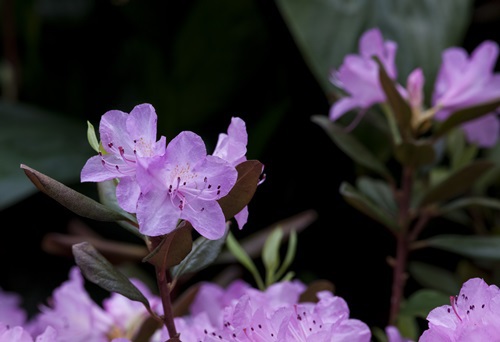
column 200, row 62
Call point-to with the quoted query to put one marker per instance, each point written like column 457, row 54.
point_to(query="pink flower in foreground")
column 359, row 74
column 125, row 138
column 271, row 315
column 183, row 184
column 465, row 81
column 232, row 147
column 11, row 312
column 19, row 334
column 474, row 315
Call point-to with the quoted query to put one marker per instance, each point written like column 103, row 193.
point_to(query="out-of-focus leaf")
column 326, row 30
column 203, row 253
column 400, row 108
column 464, row 115
column 249, row 173
column 290, row 255
column 421, row 302
column 379, row 192
column 366, row 206
column 309, row 295
column 71, row 199
column 48, row 141
column 271, row 254
column 414, row 153
column 460, row 203
column 242, row 256
column 434, row 277
column 92, row 138
column 459, row 152
column 458, row 182
column 253, row 243
column 101, row 272
column 351, row 146
column 471, row 246
column 407, row 326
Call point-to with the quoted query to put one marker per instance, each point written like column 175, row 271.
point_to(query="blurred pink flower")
column 11, row 312
column 359, row 74
column 464, row 81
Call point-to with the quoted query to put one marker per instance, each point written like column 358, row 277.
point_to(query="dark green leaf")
column 414, row 154
column 203, row 253
column 351, row 146
column 363, row 204
column 33, row 136
column 457, row 183
column 71, row 199
column 379, row 192
column 101, row 272
column 464, row 115
column 434, row 277
column 472, row 246
column 399, row 106
column 421, row 302
column 461, row 203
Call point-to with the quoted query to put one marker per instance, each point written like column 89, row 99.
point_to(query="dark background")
column 84, row 67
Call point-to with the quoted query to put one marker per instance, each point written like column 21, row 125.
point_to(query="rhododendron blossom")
column 125, row 138
column 359, row 74
column 474, row 315
column 183, row 184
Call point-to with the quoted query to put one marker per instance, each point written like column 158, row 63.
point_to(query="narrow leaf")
column 379, row 192
column 71, row 199
column 464, row 115
column 421, row 302
column 351, row 146
column 91, row 136
column 363, row 204
column 101, row 272
column 461, row 203
column 457, row 183
column 400, row 107
column 242, row 256
column 271, row 254
column 472, row 246
column 433, row 277
column 290, row 255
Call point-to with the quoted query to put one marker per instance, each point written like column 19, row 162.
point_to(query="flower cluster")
column 462, row 81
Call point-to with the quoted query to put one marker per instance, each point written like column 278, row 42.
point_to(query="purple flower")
column 464, row 81
column 11, row 312
column 472, row 316
column 73, row 314
column 183, row 184
column 125, row 138
column 359, row 74
column 18, row 333
column 232, row 147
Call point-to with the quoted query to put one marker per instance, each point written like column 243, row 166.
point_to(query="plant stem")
column 164, row 288
column 399, row 278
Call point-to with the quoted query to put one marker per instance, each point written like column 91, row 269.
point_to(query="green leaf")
column 400, row 108
column 271, row 254
column 249, row 173
column 326, row 30
column 379, row 192
column 363, row 204
column 407, row 326
column 456, row 183
column 46, row 140
column 421, row 302
column 415, row 153
column 71, row 199
column 461, row 203
column 464, row 115
column 471, row 246
column 351, row 146
column 92, row 138
column 101, row 272
column 242, row 256
column 203, row 253
column 290, row 255
column 434, row 277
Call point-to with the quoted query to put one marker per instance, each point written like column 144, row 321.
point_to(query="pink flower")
column 125, row 138
column 359, row 74
column 474, row 315
column 464, row 81
column 73, row 314
column 11, row 312
column 18, row 333
column 183, row 184
column 232, row 147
